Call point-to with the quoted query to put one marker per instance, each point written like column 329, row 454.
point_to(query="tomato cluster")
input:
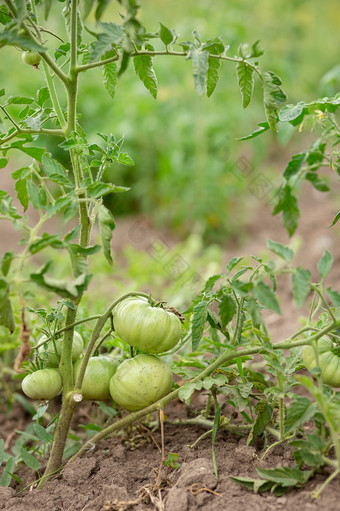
column 134, row 383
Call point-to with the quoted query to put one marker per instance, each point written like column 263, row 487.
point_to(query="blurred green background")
column 184, row 145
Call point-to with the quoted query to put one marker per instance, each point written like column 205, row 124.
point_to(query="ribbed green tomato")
column 42, row 384
column 32, row 58
column 329, row 360
column 96, row 382
column 140, row 381
column 50, row 358
column 147, row 328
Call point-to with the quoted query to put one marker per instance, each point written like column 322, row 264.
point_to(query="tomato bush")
column 140, row 381
column 146, row 327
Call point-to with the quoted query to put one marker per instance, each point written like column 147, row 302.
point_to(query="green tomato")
column 140, row 381
column 98, row 373
column 32, row 58
column 51, row 358
column 42, row 384
column 147, row 328
column 329, row 360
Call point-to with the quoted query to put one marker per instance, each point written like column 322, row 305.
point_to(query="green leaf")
column 144, row 70
column 166, row 35
column 287, row 203
column 263, row 126
column 200, row 67
column 33, row 152
column 232, row 263
column 64, row 288
column 45, row 241
column 334, row 296
column 29, row 459
column 245, row 80
column 3, row 163
column 14, row 38
column 256, row 485
column 281, row 250
column 227, row 309
column 291, row 112
column 317, row 182
column 33, row 194
column 6, row 313
column 8, row 470
column 336, row 219
column 300, row 411
column 110, row 78
column 52, row 166
column 273, row 97
column 42, row 434
column 6, row 264
column 125, row 159
column 21, row 189
column 186, row 391
column 264, row 414
column 87, row 7
column 295, row 165
column 286, row 476
column 212, row 75
column 101, row 6
column 199, row 318
column 266, row 297
column 324, row 264
column 106, row 226
column 301, row 285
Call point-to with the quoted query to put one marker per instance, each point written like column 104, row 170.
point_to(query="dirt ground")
column 117, row 475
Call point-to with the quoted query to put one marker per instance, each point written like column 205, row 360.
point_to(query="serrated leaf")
column 256, row 485
column 287, row 203
column 212, row 74
column 14, row 38
column 29, row 459
column 295, row 165
column 64, row 288
column 291, row 112
column 125, row 159
column 52, row 166
column 285, row 476
column 200, row 67
column 300, row 411
column 281, row 250
column 110, row 78
column 21, row 189
column 227, row 310
column 199, row 318
column 106, row 226
column 334, row 296
column 301, row 285
column 6, row 312
column 33, row 194
column 232, row 263
column 324, row 264
column 144, row 70
column 317, row 182
column 273, row 97
column 186, row 391
column 245, row 80
column 266, row 297
column 46, row 240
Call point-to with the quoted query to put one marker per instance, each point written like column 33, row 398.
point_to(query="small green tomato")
column 42, row 384
column 50, row 355
column 32, row 58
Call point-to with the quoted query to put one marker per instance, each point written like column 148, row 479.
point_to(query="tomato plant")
column 146, row 327
column 224, row 325
column 42, row 384
column 140, row 381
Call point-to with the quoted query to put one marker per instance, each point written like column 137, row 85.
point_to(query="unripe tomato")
column 329, row 360
column 32, row 58
column 50, row 358
column 98, row 373
column 147, row 328
column 140, row 381
column 42, row 384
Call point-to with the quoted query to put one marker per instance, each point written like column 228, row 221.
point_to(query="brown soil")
column 115, row 476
